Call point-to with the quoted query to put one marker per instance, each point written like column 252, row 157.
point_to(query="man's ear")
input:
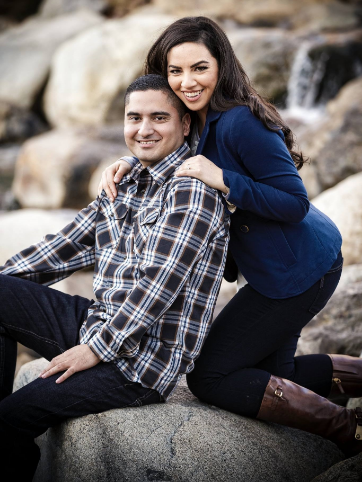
column 186, row 123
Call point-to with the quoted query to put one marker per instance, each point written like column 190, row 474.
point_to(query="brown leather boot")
column 290, row 404
column 347, row 376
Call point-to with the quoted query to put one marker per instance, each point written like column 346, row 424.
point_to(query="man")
column 158, row 253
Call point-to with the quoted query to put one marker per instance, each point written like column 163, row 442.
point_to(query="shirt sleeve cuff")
column 100, row 348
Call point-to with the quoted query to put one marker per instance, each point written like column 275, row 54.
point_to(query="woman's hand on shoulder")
column 203, row 169
column 111, row 175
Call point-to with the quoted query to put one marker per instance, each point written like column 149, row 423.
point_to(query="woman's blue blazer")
column 280, row 242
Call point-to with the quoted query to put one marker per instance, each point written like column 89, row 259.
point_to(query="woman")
column 288, row 251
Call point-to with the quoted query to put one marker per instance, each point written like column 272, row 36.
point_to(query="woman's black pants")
column 254, row 337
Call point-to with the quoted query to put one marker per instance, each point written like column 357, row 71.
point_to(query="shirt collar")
column 163, row 169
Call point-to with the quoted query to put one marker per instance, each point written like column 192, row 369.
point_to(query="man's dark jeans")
column 48, row 322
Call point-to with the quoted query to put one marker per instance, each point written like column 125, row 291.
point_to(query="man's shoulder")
column 192, row 193
column 192, row 185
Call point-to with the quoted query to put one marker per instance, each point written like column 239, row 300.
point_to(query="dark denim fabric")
column 48, row 322
column 254, row 337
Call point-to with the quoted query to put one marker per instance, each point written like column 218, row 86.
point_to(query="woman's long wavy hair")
column 233, row 87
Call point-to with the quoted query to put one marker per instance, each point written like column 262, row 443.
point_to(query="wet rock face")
column 183, row 440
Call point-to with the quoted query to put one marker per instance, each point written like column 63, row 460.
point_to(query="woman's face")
column 192, row 73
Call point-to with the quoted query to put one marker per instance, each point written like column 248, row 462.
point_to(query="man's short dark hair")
column 155, row 82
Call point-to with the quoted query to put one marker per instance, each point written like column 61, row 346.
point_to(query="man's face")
column 152, row 127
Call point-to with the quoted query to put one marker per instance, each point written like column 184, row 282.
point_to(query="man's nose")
column 188, row 81
column 146, row 128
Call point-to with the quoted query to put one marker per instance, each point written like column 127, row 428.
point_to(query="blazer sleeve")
column 272, row 187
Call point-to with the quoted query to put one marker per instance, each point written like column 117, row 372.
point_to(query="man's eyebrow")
column 161, row 112
column 193, row 65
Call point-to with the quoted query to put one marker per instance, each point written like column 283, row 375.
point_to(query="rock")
column 120, row 8
column 18, row 124
column 348, row 470
column 8, row 155
column 53, row 170
column 309, row 176
column 267, row 56
column 29, row 372
column 53, row 8
column 26, row 52
column 335, row 144
column 19, row 9
column 327, row 16
column 80, row 283
column 20, row 229
column 183, row 440
column 338, row 327
column 90, row 73
column 314, row 15
column 343, row 204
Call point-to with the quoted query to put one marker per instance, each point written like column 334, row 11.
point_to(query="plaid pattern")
column 159, row 252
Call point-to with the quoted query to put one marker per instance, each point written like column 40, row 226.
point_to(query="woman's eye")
column 201, row 68
column 174, row 71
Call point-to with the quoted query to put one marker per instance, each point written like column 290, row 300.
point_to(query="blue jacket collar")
column 211, row 116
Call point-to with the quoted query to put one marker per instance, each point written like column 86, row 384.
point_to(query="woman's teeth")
column 192, row 94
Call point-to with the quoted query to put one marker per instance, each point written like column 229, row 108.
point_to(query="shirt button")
column 244, row 228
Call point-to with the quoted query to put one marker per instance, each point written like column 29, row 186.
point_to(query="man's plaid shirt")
column 159, row 252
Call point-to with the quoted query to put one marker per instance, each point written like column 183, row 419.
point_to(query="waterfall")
column 304, row 81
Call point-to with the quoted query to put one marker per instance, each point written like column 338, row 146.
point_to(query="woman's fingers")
column 112, row 175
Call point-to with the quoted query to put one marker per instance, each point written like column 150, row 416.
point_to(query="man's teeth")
column 192, row 94
column 147, row 142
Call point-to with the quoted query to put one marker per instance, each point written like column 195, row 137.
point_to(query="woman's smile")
column 192, row 74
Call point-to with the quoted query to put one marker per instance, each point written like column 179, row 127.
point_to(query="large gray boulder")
column 19, row 229
column 267, row 56
column 26, row 52
column 313, row 16
column 334, row 144
column 53, row 8
column 343, row 204
column 349, row 470
column 90, row 73
column 338, row 327
column 183, row 440
column 53, row 170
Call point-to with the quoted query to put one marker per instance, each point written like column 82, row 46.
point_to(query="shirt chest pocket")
column 146, row 221
column 110, row 220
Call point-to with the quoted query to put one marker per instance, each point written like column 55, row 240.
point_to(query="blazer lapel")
column 211, row 117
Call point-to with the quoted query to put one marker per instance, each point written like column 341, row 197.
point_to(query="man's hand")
column 111, row 175
column 76, row 359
